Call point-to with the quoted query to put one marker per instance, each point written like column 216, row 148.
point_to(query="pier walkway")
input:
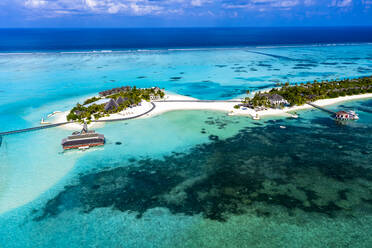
column 321, row 108
column 64, row 123
column 33, row 128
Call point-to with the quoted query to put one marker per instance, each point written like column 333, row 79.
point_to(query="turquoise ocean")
column 171, row 182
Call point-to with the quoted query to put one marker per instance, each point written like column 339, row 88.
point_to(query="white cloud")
column 341, row 3
column 199, row 3
column 131, row 7
column 35, row 3
column 309, row 2
column 196, row 2
column 285, row 4
column 263, row 5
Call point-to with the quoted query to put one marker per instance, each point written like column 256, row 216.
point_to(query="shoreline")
column 284, row 111
column 228, row 107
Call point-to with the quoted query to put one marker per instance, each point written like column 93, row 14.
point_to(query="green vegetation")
column 299, row 94
column 121, row 100
column 137, row 95
column 90, row 100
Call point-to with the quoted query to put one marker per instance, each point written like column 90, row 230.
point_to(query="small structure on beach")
column 154, row 97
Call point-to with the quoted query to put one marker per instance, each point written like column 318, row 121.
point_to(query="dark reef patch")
column 364, row 69
column 319, row 170
column 264, row 65
column 306, row 65
column 329, row 63
column 175, row 78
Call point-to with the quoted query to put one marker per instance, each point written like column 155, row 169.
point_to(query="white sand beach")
column 228, row 107
column 162, row 107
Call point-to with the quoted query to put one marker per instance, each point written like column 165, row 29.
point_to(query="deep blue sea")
column 184, row 178
column 22, row 40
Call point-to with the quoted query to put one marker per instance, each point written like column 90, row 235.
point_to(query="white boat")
column 282, row 127
column 55, row 112
column 256, row 117
column 44, row 122
column 295, row 116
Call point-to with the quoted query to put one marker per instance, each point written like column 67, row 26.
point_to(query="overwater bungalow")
column 83, row 139
column 114, row 90
column 343, row 115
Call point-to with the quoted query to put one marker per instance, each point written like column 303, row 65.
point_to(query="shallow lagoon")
column 32, row 81
column 258, row 185
column 255, row 184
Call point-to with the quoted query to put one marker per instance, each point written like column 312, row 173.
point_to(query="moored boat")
column 255, row 117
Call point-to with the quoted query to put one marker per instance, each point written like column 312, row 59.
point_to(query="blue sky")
column 173, row 13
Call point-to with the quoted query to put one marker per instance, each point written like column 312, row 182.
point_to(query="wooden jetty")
column 64, row 123
column 33, row 128
column 321, row 108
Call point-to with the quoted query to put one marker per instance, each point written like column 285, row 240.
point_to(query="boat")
column 294, row 116
column 43, row 122
column 346, row 115
column 55, row 112
column 256, row 117
column 83, row 140
column 282, row 127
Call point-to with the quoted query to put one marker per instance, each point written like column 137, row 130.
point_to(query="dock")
column 321, row 108
column 33, row 128
column 64, row 123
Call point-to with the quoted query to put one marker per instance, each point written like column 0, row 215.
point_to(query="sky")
column 183, row 13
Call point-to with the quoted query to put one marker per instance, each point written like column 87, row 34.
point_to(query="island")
column 113, row 101
column 288, row 97
column 124, row 103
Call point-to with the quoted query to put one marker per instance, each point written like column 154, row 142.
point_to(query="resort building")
column 276, row 99
column 343, row 115
column 154, row 97
column 111, row 105
column 121, row 100
column 83, row 139
column 115, row 90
